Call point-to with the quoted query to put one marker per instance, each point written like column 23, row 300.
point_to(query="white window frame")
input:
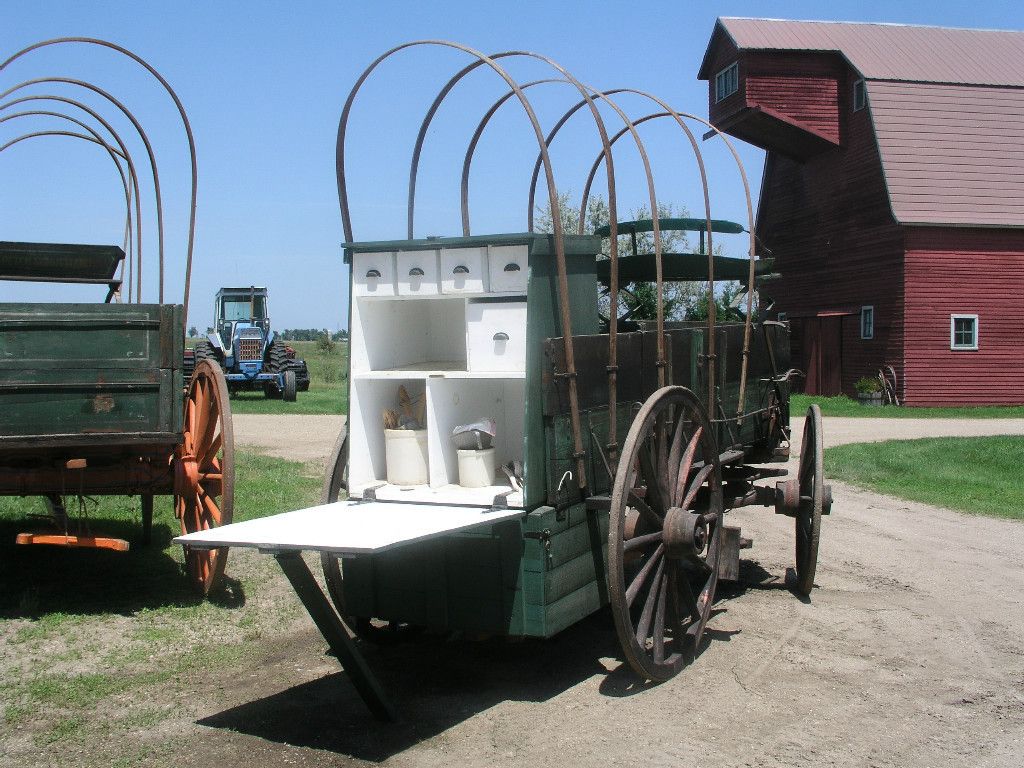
column 952, row 332
column 867, row 311
column 727, row 82
column 860, row 95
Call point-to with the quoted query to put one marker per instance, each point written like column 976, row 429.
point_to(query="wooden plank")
column 591, row 354
column 347, row 527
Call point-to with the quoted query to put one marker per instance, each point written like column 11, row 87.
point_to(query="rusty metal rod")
column 188, row 133
column 149, row 151
column 471, row 149
column 132, row 174
column 95, row 138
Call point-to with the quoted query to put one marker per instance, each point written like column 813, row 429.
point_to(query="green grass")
column 90, row 633
column 845, row 406
column 980, row 475
column 328, row 392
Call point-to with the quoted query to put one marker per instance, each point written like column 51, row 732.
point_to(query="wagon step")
column 64, row 540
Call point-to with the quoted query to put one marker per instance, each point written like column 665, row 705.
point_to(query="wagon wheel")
column 204, row 470
column 812, row 500
column 665, row 533
column 335, row 485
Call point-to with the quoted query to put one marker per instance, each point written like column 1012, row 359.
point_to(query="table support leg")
column 335, row 633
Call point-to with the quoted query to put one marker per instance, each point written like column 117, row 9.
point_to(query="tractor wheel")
column 288, row 393
column 204, row 351
column 277, row 358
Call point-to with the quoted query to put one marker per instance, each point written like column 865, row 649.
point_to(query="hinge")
column 544, row 537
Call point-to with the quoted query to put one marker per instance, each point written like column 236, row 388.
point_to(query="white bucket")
column 405, row 451
column 476, row 468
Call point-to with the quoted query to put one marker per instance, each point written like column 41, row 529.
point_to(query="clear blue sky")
column 264, row 83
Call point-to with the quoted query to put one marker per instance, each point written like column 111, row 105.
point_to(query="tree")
column 193, row 332
column 637, row 301
column 725, row 295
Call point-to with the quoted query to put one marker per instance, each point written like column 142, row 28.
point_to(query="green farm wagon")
column 92, row 396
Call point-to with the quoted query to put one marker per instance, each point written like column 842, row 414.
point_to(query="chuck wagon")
column 92, row 397
column 616, row 451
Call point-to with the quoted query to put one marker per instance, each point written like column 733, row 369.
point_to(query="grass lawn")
column 845, row 406
column 99, row 648
column 972, row 474
column 327, row 386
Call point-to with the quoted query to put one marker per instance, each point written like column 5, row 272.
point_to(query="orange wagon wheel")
column 204, row 470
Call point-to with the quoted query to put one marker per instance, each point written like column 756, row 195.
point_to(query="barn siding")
column 803, row 88
column 828, row 223
column 964, row 271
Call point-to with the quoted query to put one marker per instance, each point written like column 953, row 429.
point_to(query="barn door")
column 830, row 357
column 820, row 353
column 811, row 343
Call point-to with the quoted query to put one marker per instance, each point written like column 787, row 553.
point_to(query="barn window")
column 860, row 95
column 867, row 322
column 727, row 82
column 963, row 331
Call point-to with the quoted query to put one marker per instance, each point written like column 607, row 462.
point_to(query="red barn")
column 892, row 197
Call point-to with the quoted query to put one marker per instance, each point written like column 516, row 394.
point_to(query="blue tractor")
column 248, row 350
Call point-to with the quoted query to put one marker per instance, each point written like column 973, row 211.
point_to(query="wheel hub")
column 685, row 533
column 186, row 475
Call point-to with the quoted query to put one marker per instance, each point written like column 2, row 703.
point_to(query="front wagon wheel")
column 665, row 533
column 204, row 471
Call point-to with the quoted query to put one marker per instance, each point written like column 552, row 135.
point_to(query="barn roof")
column 947, row 107
column 890, row 51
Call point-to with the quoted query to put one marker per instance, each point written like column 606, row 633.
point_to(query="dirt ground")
column 910, row 652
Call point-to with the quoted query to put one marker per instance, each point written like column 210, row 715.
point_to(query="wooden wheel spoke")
column 201, row 412
column 695, row 485
column 641, row 577
column 684, row 466
column 206, row 437
column 658, row 651
column 643, row 626
column 639, row 542
column 674, row 451
column 641, row 506
column 687, row 593
column 210, row 453
column 212, row 510
column 212, row 485
column 660, row 446
column 654, row 495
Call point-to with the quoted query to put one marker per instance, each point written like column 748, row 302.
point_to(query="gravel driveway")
column 909, row 653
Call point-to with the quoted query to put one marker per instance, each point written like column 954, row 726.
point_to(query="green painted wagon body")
column 538, row 574
column 98, row 372
column 97, row 385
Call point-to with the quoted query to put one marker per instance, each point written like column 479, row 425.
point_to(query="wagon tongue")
column 65, row 540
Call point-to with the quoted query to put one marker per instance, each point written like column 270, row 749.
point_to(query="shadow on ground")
column 44, row 579
column 437, row 684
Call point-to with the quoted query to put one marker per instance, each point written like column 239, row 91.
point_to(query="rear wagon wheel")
column 204, row 470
